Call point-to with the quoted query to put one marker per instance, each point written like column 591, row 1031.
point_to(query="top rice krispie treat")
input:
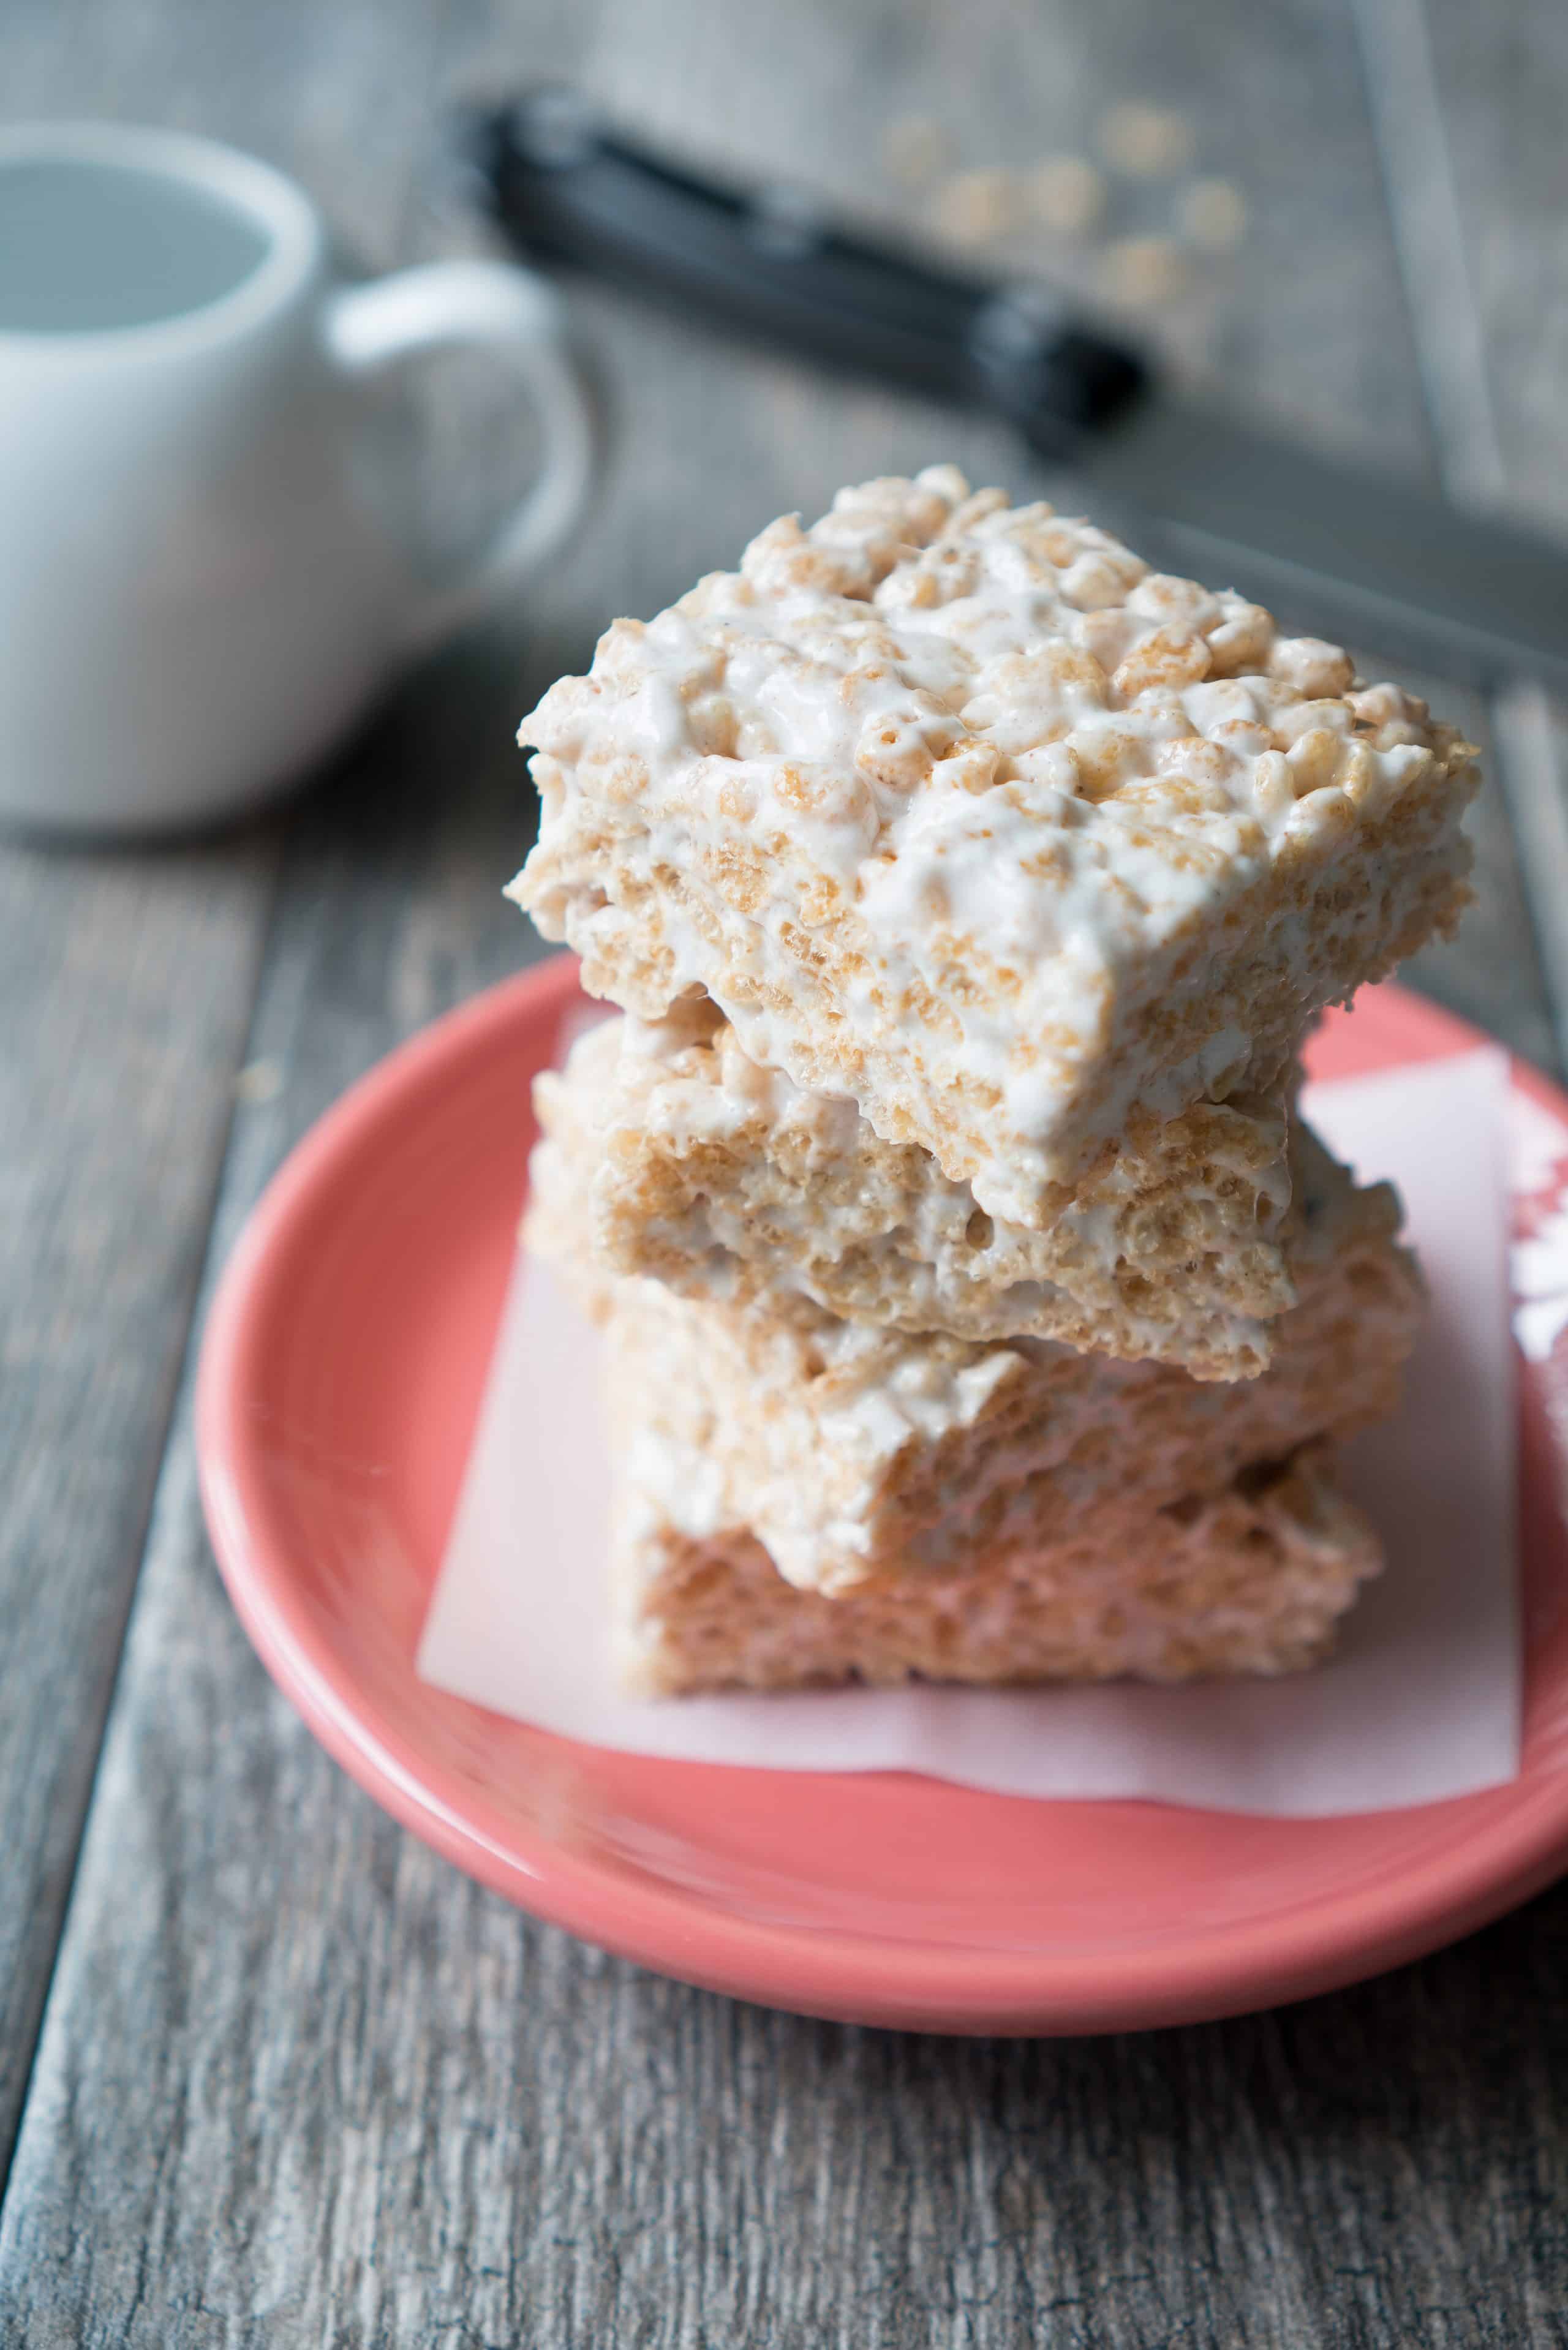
column 960, row 811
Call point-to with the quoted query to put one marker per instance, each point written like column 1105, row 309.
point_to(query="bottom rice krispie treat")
column 725, row 1181
column 1253, row 1579
column 857, row 1454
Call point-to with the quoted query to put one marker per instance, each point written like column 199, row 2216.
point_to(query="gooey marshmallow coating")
column 960, row 811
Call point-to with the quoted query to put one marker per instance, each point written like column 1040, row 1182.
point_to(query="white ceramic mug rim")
column 268, row 198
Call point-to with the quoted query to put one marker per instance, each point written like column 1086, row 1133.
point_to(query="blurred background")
column 1351, row 215
column 1347, row 214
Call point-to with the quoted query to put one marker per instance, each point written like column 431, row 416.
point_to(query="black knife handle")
column 768, row 261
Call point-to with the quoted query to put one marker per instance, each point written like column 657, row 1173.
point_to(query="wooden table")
column 270, row 2073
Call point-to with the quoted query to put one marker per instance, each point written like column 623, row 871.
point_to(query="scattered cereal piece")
column 1066, row 194
column 1150, row 141
column 258, row 1082
column 1213, row 214
column 976, row 207
column 914, row 149
column 1142, row 271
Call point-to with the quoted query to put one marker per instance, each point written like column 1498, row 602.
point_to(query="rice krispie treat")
column 1249, row 1580
column 961, row 812
column 857, row 1454
column 725, row 1181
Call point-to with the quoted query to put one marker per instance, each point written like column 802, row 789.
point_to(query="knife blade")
column 1355, row 551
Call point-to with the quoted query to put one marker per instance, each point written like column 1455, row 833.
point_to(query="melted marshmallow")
column 1004, row 775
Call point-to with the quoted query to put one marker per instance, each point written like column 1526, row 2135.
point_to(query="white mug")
column 198, row 596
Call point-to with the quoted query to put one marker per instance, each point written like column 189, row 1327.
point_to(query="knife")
column 1356, row 552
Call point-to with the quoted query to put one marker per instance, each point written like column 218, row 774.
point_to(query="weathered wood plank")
column 299, row 2084
column 1532, row 764
column 1491, row 972
column 127, row 984
column 1468, row 105
column 1500, row 78
column 1472, row 100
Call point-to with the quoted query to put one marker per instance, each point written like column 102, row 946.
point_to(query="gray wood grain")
column 298, row 2082
column 1469, row 104
column 1492, row 973
column 127, row 982
column 1499, row 81
column 127, row 986
column 1491, row 257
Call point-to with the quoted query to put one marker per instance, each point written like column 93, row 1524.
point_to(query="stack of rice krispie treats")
column 978, row 1306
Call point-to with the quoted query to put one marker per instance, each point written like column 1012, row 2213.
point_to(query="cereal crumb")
column 1149, row 142
column 1066, row 194
column 1213, row 214
column 258, row 1082
column 914, row 149
column 1141, row 272
column 976, row 207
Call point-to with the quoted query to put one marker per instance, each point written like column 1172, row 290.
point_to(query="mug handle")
column 479, row 304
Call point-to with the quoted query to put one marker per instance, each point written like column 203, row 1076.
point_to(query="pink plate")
column 339, row 1381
